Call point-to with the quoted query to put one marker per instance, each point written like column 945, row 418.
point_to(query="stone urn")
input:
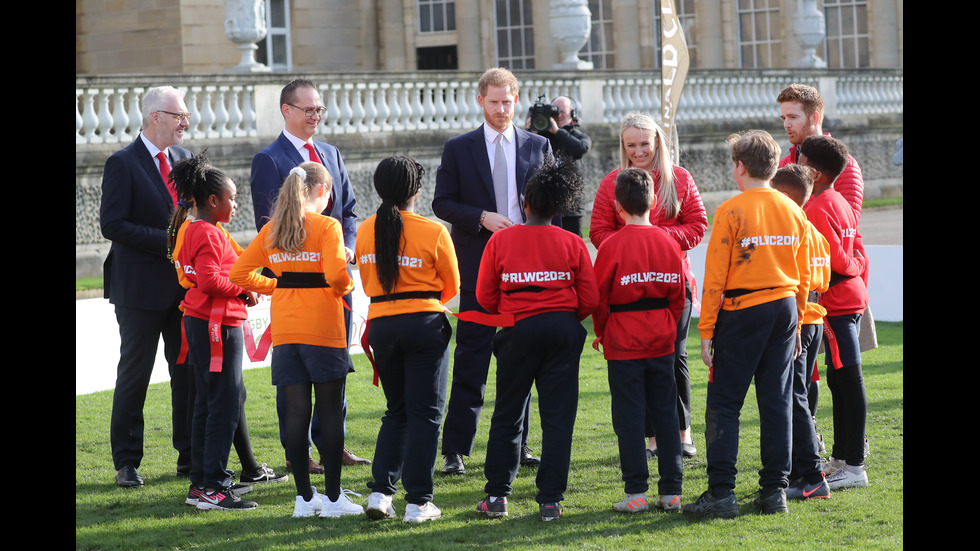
column 571, row 25
column 245, row 25
column 808, row 26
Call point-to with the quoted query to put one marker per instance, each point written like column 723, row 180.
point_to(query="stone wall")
column 703, row 152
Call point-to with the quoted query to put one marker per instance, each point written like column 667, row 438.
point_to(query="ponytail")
column 397, row 179
column 288, row 231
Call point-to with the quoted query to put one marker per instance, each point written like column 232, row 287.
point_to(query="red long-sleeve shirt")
column 548, row 257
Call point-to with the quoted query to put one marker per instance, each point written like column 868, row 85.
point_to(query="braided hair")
column 194, row 180
column 397, row 179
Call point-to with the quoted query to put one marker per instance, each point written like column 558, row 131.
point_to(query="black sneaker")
column 241, row 489
column 708, row 506
column 550, row 511
column 262, row 476
column 801, row 490
column 771, row 502
column 493, row 509
column 194, row 495
column 224, row 500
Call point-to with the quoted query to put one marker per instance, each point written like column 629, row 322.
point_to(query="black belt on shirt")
column 647, row 303
column 528, row 289
column 302, row 280
column 733, row 293
column 813, row 297
column 407, row 295
column 836, row 278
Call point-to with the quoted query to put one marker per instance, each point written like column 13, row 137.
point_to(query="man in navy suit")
column 139, row 279
column 302, row 110
column 478, row 202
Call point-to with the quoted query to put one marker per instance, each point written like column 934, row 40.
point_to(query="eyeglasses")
column 320, row 111
column 180, row 116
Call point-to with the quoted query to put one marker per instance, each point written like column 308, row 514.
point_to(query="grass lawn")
column 155, row 517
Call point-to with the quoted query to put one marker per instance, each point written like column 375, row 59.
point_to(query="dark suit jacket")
column 135, row 212
column 271, row 166
column 464, row 189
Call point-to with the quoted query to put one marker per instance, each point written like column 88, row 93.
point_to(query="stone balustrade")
column 233, row 106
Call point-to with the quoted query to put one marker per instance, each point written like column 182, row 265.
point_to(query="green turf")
column 154, row 517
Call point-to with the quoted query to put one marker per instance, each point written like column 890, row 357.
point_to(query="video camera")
column 541, row 113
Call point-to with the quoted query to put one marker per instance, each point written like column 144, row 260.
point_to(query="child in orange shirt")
column 755, row 290
column 306, row 251
column 408, row 267
column 807, row 480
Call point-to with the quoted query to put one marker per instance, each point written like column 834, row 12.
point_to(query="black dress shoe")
column 527, row 458
column 453, row 464
column 183, row 470
column 127, row 477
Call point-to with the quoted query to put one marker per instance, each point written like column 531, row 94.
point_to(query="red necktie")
column 314, row 158
column 165, row 174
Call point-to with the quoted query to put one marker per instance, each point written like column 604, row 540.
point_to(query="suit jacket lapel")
column 289, row 151
column 152, row 172
column 478, row 152
column 523, row 149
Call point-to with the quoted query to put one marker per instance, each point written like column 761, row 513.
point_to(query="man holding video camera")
column 559, row 123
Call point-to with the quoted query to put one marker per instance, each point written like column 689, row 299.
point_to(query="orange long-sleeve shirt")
column 427, row 263
column 302, row 316
column 819, row 273
column 757, row 244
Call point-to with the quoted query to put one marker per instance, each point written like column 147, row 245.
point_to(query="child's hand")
column 251, row 299
column 349, row 255
column 707, row 354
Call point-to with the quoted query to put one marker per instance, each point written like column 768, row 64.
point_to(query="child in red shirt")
column 640, row 272
column 214, row 309
column 845, row 301
column 542, row 275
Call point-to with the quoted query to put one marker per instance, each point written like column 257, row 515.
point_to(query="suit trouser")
column 139, row 334
column 471, row 364
column 544, row 351
column 755, row 342
column 638, row 386
column 412, row 355
column 218, row 402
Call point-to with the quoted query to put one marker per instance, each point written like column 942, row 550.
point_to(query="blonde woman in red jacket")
column 680, row 212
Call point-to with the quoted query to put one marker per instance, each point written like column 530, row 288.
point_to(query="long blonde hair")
column 667, row 199
column 289, row 217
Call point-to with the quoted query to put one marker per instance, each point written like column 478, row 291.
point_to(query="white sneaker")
column 634, row 503
column 309, row 508
column 343, row 506
column 421, row 513
column 848, row 477
column 831, row 466
column 379, row 506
